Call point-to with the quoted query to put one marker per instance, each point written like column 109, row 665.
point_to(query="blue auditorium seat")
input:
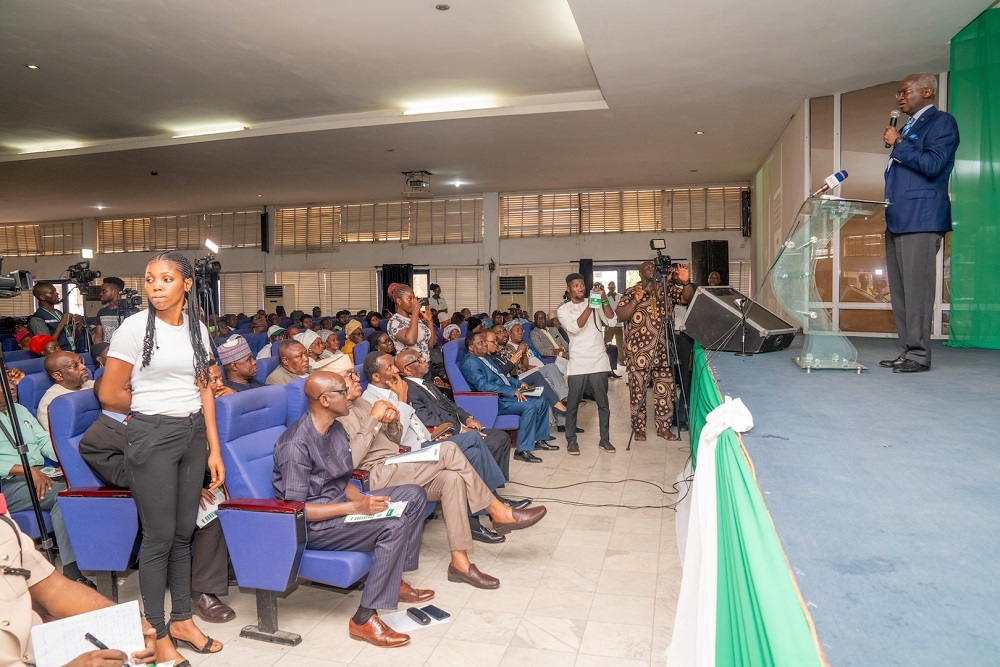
column 34, row 364
column 30, row 390
column 361, row 351
column 102, row 521
column 9, row 344
column 250, row 423
column 19, row 355
column 267, row 365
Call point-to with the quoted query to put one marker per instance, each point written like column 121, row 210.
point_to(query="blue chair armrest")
column 270, row 564
column 103, row 526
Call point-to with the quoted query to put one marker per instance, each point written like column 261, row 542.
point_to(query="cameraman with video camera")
column 116, row 308
column 647, row 308
column 50, row 321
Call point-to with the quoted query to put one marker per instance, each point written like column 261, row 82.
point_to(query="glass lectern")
column 793, row 276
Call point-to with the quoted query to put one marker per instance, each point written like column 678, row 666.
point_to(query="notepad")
column 211, row 512
column 432, row 453
column 59, row 642
column 394, row 509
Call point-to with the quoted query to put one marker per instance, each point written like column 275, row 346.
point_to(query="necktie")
column 906, row 127
column 498, row 373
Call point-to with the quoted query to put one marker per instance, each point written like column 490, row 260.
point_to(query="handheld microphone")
column 832, row 181
column 893, row 119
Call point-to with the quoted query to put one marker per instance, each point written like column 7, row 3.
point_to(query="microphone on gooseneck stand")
column 893, row 119
column 832, row 181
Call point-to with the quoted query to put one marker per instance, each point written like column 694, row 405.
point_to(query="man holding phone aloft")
column 588, row 362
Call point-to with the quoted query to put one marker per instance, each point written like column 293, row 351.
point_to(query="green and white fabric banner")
column 738, row 605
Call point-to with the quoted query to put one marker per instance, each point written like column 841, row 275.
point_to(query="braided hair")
column 202, row 372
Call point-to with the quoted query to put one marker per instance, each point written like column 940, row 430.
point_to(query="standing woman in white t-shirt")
column 158, row 373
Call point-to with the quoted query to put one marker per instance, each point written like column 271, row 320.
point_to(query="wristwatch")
column 897, row 142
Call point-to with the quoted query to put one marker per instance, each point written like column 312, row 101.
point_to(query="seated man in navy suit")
column 482, row 374
column 918, row 215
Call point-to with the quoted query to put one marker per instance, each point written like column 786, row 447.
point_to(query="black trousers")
column 165, row 462
column 498, row 442
column 103, row 448
column 598, row 384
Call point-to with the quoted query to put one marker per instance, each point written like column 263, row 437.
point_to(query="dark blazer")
column 433, row 408
column 917, row 183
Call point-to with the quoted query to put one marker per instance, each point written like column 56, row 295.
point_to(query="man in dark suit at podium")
column 918, row 215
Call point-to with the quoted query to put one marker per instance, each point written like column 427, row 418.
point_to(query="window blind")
column 47, row 238
column 241, row 292
column 617, row 211
column 231, row 229
column 461, row 288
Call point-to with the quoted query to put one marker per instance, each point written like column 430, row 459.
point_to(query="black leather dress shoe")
column 526, row 457
column 487, row 536
column 562, row 429
column 545, row 447
column 891, row 363
column 910, row 366
column 516, row 504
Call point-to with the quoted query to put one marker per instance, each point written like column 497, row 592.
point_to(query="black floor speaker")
column 713, row 319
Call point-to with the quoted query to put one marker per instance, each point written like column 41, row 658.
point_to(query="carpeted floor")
column 885, row 490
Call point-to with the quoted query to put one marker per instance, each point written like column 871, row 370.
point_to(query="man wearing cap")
column 294, row 363
column 352, row 336
column 43, row 345
column 69, row 373
column 241, row 368
column 22, row 338
column 275, row 334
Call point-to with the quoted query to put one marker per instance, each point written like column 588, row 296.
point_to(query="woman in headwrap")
column 352, row 336
column 451, row 332
column 313, row 344
column 43, row 345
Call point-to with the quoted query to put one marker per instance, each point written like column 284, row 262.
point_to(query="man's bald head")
column 405, row 362
column 321, row 382
column 67, row 369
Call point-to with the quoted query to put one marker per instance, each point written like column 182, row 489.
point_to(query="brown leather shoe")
column 473, row 578
column 376, row 632
column 522, row 519
column 211, row 609
column 411, row 595
column 669, row 435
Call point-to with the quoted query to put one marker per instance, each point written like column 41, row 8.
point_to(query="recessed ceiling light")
column 442, row 8
column 259, row 195
column 100, row 207
column 202, row 130
column 700, row 132
column 31, row 66
column 450, row 105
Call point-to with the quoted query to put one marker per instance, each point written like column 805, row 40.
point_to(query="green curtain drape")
column 975, row 186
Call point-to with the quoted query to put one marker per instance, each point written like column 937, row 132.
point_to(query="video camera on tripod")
column 130, row 300
column 663, row 264
column 81, row 274
column 14, row 283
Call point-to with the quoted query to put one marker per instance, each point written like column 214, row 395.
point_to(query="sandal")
column 207, row 648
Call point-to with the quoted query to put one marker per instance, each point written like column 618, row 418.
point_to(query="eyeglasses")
column 351, row 375
column 906, row 91
column 415, row 361
column 333, row 391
